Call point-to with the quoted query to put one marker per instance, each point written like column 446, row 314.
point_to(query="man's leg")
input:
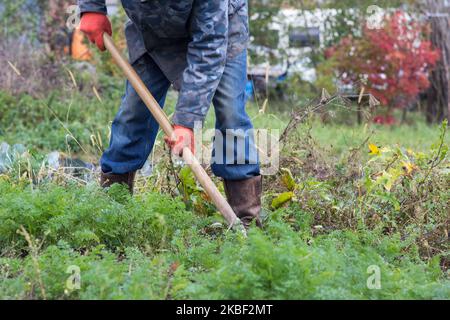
column 134, row 129
column 235, row 156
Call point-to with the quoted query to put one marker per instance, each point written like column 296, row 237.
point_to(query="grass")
column 80, row 125
column 349, row 213
column 150, row 247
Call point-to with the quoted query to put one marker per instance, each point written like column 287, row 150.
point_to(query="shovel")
column 222, row 205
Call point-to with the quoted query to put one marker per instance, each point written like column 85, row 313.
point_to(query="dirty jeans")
column 134, row 129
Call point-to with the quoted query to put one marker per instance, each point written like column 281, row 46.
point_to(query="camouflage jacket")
column 190, row 40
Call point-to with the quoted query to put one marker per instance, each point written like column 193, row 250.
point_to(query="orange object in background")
column 80, row 51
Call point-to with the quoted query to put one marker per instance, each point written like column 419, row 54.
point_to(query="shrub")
column 328, row 267
column 394, row 61
column 85, row 218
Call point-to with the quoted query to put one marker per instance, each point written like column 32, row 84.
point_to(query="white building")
column 299, row 32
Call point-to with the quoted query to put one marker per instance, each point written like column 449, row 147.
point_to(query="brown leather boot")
column 108, row 179
column 244, row 197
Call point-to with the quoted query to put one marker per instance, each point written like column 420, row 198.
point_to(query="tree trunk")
column 438, row 104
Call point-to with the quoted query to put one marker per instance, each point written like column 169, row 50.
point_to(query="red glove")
column 94, row 24
column 182, row 137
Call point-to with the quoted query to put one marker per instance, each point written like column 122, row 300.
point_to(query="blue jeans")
column 134, row 129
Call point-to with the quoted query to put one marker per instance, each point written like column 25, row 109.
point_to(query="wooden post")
column 439, row 92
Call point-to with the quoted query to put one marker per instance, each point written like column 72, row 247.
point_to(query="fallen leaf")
column 408, row 167
column 374, row 150
column 282, row 199
column 288, row 180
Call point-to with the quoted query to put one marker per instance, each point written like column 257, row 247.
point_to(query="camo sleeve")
column 92, row 6
column 206, row 58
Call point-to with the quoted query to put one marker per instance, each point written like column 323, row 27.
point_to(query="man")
column 199, row 47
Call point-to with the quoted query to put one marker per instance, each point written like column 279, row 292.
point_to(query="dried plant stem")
column 34, row 253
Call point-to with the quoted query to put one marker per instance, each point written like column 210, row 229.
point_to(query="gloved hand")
column 94, row 24
column 182, row 137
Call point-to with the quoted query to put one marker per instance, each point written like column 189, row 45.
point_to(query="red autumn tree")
column 393, row 61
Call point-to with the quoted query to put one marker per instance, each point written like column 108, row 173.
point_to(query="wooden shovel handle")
column 210, row 188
